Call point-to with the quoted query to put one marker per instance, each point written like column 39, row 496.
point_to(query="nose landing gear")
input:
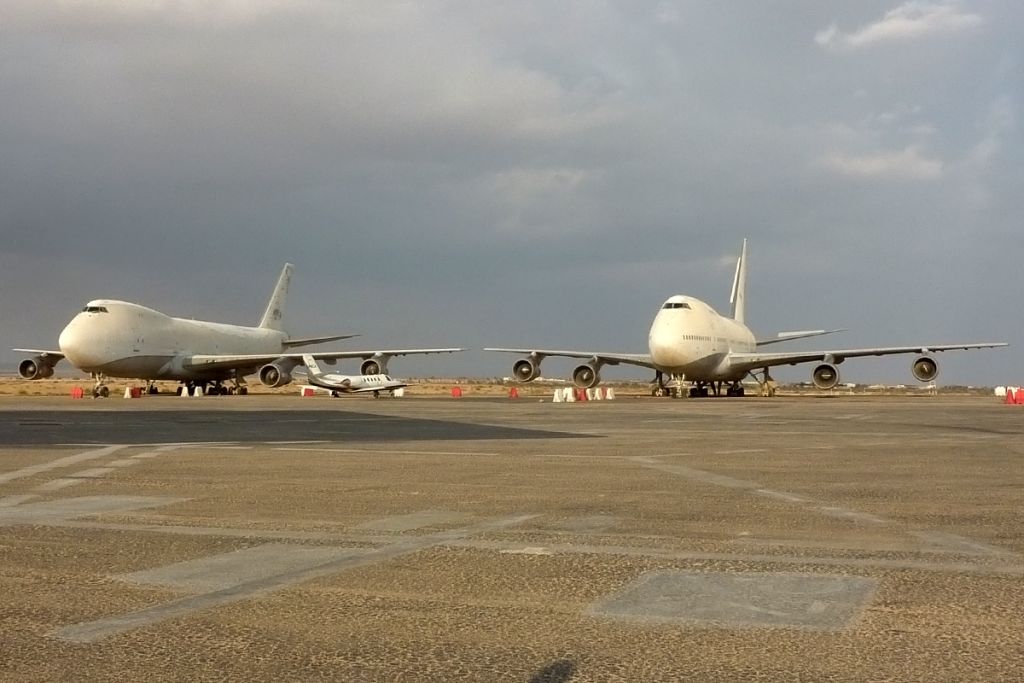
column 101, row 390
column 676, row 391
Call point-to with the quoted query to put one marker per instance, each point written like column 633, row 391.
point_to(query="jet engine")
column 526, row 370
column 273, row 375
column 374, row 366
column 925, row 368
column 825, row 376
column 586, row 377
column 35, row 368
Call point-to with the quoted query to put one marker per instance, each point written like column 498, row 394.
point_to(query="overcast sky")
column 536, row 173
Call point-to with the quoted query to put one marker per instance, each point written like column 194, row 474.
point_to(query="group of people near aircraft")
column 691, row 349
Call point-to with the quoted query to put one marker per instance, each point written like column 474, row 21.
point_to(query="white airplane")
column 119, row 339
column 348, row 384
column 689, row 341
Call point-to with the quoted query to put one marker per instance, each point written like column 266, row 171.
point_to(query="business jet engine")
column 825, row 376
column 374, row 366
column 526, row 369
column 273, row 375
column 35, row 368
column 586, row 376
column 925, row 368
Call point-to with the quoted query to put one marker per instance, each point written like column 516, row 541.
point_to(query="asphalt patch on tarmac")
column 39, row 428
column 819, row 602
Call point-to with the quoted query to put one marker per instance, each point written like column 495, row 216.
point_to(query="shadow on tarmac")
column 49, row 428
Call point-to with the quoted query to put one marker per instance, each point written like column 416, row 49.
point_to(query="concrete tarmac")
column 286, row 538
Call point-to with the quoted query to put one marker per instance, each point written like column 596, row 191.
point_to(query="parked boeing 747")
column 690, row 342
column 118, row 339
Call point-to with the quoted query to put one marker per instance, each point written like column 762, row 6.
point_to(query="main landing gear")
column 696, row 390
column 766, row 385
column 213, row 388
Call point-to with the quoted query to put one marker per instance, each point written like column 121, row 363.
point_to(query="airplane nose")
column 665, row 345
column 69, row 341
column 75, row 346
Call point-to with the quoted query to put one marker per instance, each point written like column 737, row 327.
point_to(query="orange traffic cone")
column 1011, row 396
column 514, row 393
column 456, row 392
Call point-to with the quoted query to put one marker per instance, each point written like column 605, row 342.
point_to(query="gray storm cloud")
column 537, row 173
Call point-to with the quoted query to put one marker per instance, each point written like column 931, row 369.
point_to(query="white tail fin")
column 739, row 286
column 311, row 363
column 275, row 309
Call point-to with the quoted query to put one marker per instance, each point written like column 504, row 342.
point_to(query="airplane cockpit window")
column 94, row 309
column 676, row 304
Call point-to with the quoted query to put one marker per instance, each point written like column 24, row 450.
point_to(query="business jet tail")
column 272, row 317
column 312, row 365
column 739, row 286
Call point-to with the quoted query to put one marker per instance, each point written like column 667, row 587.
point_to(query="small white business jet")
column 348, row 384
column 690, row 342
column 118, row 339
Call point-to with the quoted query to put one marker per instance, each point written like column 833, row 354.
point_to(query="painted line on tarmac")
column 97, row 472
column 959, row 544
column 57, row 485
column 937, row 539
column 93, row 631
column 742, row 450
column 288, row 443
column 668, row 554
column 382, row 451
column 11, row 501
column 57, row 464
column 706, row 477
column 93, row 473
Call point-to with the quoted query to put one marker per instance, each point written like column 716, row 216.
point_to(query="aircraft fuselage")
column 689, row 338
column 121, row 339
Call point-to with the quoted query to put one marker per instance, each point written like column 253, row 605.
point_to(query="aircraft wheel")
column 104, row 392
column 243, row 391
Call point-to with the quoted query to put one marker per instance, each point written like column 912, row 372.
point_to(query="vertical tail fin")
column 311, row 364
column 739, row 286
column 275, row 309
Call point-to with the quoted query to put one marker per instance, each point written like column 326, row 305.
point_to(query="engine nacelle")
column 35, row 368
column 925, row 368
column 526, row 370
column 825, row 376
column 374, row 366
column 273, row 375
column 586, row 376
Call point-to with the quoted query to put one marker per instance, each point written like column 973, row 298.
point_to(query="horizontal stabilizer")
column 308, row 341
column 790, row 336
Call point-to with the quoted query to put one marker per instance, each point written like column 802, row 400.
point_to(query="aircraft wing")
column 641, row 359
column 244, row 362
column 307, row 341
column 754, row 361
column 45, row 354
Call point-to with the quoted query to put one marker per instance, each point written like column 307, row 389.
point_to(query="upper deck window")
column 94, row 309
column 676, row 304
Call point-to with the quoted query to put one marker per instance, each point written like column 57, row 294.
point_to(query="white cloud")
column 522, row 183
column 909, row 21
column 667, row 13
column 908, row 164
column 998, row 122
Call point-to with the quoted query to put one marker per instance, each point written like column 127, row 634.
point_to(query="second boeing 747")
column 690, row 342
